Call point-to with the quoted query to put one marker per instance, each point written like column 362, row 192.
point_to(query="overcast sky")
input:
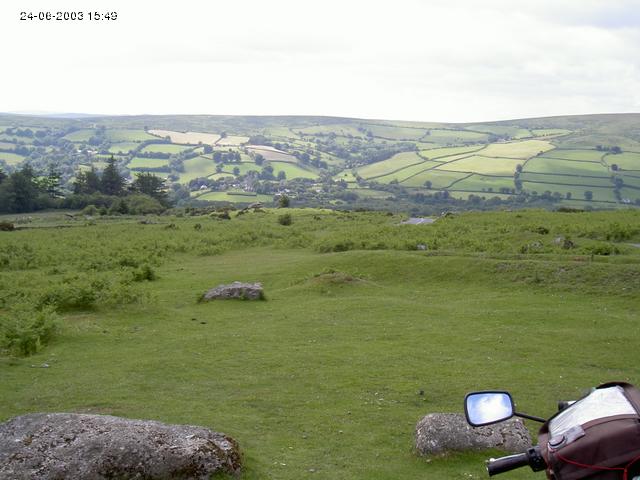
column 431, row 60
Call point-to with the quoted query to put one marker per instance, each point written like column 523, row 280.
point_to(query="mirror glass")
column 483, row 408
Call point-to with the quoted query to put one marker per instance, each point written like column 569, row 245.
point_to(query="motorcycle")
column 595, row 437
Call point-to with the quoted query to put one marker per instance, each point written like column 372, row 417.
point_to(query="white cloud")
column 407, row 59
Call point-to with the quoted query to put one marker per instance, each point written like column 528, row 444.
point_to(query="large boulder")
column 244, row 291
column 56, row 446
column 439, row 433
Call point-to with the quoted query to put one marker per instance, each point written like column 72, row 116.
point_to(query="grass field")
column 408, row 172
column 272, row 154
column 625, row 161
column 7, row 146
column 483, row 183
column 455, row 136
column 438, row 178
column 393, row 164
column 292, row 171
column 523, row 149
column 197, row 167
column 568, row 179
column 395, row 133
column 484, row 165
column 443, row 153
column 123, row 147
column 187, row 138
column 165, row 148
column 127, row 135
column 232, row 141
column 82, row 135
column 587, row 155
column 142, row 163
column 235, row 197
column 555, row 165
column 11, row 158
column 321, row 380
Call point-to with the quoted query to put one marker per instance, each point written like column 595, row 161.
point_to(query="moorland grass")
column 322, row 379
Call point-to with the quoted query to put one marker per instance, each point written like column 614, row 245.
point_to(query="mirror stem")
column 529, row 417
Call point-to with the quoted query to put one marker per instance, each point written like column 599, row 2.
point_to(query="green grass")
column 559, row 166
column 568, row 179
column 394, row 132
column 325, row 373
column 443, row 153
column 235, row 197
column 386, row 167
column 127, row 135
column 408, row 172
column 482, row 183
column 587, row 155
column 545, row 132
column 523, row 149
column 600, row 194
column 196, row 168
column 7, row 146
column 82, row 135
column 438, row 178
column 484, row 165
column 625, row 161
column 123, row 147
column 142, row 163
column 165, row 148
column 292, row 171
column 11, row 158
column 455, row 136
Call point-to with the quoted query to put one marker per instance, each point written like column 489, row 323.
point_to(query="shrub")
column 145, row 272
column 7, row 227
column 285, row 219
column 90, row 210
column 24, row 330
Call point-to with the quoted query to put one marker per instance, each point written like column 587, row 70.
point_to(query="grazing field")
column 560, row 166
column 7, row 146
column 524, row 149
column 591, row 180
column 82, row 135
column 443, row 153
column 586, row 155
column 165, row 148
column 127, row 135
column 343, row 130
column 235, row 197
column 408, row 172
column 323, row 378
column 187, row 138
column 438, row 178
column 455, row 136
column 484, row 165
column 140, row 163
column 483, row 183
column 625, row 161
column 272, row 154
column 393, row 164
column 123, row 147
column 11, row 158
column 196, row 168
column 232, row 141
column 600, row 194
column 292, row 171
column 394, row 132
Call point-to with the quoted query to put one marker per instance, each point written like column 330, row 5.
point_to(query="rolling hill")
column 574, row 160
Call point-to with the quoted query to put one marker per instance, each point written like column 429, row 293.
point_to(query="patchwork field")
column 554, row 165
column 196, row 168
column 123, row 147
column 232, row 141
column 439, row 178
column 292, row 171
column 385, row 167
column 272, row 154
column 625, row 161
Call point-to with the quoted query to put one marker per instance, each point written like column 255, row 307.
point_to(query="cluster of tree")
column 611, row 149
column 227, row 157
column 24, row 191
column 111, row 183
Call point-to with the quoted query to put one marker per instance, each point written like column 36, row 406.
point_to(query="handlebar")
column 504, row 464
column 531, row 457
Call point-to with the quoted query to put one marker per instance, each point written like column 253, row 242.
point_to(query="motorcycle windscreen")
column 601, row 403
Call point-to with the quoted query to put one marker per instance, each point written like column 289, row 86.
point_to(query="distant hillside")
column 573, row 160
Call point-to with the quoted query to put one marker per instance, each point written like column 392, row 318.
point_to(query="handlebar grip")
column 504, row 464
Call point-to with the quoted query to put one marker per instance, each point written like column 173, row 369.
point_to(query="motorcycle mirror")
column 485, row 408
